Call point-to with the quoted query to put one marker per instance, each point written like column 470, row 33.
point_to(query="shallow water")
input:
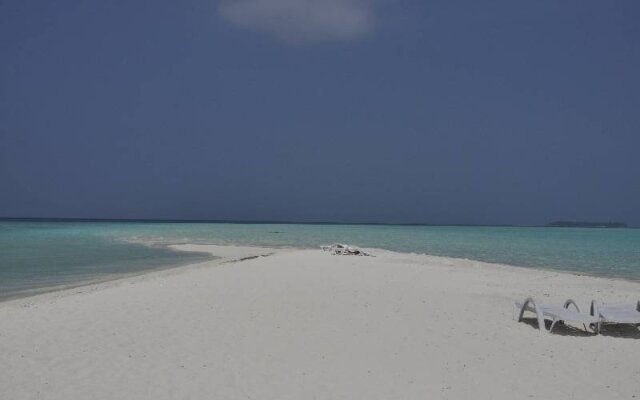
column 40, row 255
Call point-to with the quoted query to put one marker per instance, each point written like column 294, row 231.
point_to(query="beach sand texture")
column 302, row 324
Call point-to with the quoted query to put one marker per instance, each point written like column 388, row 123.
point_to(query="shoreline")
column 235, row 253
column 116, row 279
column 101, row 280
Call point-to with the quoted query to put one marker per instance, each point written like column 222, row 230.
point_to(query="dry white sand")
column 301, row 324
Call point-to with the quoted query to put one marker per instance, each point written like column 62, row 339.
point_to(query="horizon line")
column 267, row 222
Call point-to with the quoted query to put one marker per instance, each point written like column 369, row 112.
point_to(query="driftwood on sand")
column 345, row 250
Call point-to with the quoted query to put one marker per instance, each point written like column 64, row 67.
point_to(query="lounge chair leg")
column 555, row 321
column 539, row 315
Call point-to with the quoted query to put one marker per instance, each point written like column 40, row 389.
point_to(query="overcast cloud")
column 303, row 21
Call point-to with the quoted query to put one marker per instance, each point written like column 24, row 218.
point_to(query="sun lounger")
column 345, row 250
column 615, row 313
column 556, row 314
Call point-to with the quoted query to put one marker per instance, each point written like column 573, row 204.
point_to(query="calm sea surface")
column 39, row 256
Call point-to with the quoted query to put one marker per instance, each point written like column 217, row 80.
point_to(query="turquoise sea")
column 40, row 256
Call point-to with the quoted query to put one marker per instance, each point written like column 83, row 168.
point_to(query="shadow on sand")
column 625, row 331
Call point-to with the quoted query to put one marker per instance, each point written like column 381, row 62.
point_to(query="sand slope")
column 301, row 324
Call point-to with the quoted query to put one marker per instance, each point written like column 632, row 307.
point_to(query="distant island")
column 575, row 224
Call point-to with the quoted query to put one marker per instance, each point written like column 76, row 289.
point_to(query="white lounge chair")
column 345, row 250
column 556, row 314
column 615, row 313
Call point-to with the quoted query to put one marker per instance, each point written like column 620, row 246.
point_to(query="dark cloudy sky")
column 484, row 112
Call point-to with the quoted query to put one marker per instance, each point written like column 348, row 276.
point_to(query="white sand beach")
column 302, row 324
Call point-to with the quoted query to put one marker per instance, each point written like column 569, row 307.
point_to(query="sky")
column 414, row 111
